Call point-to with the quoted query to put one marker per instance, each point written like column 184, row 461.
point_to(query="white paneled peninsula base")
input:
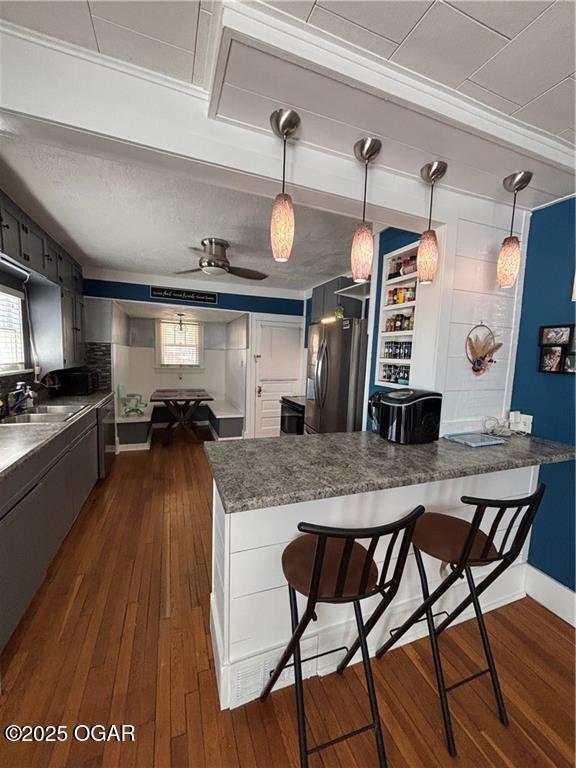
column 264, row 488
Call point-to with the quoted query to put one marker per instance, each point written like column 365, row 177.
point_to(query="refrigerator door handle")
column 324, row 374
column 318, row 375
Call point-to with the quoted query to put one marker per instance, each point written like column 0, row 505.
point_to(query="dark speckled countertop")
column 19, row 442
column 268, row 472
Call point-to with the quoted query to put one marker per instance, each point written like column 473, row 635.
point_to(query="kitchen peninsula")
column 263, row 488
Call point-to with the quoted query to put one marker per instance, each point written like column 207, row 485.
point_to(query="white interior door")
column 278, row 371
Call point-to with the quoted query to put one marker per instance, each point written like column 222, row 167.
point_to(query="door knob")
column 259, row 391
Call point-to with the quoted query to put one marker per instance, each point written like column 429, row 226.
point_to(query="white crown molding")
column 301, row 45
column 76, row 51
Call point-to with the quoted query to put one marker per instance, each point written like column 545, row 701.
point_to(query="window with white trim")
column 12, row 349
column 179, row 344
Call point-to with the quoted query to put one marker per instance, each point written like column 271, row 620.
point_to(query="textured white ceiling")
column 131, row 218
column 512, row 55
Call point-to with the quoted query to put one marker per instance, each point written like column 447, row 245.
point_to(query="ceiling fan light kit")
column 362, row 254
column 214, row 261
column 427, row 256
column 284, row 123
column 510, row 255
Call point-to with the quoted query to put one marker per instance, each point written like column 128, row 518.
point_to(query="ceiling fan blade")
column 187, row 271
column 247, row 274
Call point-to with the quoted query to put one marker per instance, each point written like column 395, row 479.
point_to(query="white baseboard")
column 551, row 594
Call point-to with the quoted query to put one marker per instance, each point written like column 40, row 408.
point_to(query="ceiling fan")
column 214, row 261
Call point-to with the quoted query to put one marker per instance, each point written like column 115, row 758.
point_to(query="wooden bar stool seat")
column 329, row 565
column 443, row 537
column 298, row 566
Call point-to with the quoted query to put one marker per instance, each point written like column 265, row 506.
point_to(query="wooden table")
column 182, row 405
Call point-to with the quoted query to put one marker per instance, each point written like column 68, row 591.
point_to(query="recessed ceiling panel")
column 554, row 110
column 447, row 46
column 138, row 49
column 174, row 24
column 509, row 17
column 538, row 58
column 68, row 21
column 352, row 33
column 389, row 18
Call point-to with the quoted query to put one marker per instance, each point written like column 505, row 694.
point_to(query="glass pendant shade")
column 508, row 262
column 282, row 227
column 427, row 256
column 362, row 253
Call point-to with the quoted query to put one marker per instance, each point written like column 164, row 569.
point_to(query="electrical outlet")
column 526, row 423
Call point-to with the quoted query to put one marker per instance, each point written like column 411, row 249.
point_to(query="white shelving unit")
column 392, row 371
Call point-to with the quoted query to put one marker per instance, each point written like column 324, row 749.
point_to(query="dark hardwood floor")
column 119, row 633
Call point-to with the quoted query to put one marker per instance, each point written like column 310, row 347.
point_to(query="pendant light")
column 365, row 151
column 285, row 123
column 509, row 256
column 180, row 315
column 427, row 256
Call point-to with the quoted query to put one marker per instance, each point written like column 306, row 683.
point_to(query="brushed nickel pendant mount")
column 433, row 172
column 285, row 123
column 366, row 150
column 518, row 181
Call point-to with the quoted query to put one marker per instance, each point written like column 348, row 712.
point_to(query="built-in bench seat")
column 225, row 419
column 134, row 430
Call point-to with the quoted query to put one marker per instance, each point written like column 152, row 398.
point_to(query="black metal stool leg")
column 299, row 688
column 298, row 629
column 487, row 648
column 442, row 692
column 370, row 686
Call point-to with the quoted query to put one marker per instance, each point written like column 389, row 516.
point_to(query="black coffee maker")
column 406, row 416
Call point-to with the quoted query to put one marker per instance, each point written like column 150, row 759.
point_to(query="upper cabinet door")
column 32, row 247
column 10, row 237
column 65, row 273
column 50, row 267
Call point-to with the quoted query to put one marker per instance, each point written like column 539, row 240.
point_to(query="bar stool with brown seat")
column 463, row 546
column 329, row 565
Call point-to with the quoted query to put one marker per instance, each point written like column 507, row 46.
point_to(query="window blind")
column 180, row 344
column 11, row 334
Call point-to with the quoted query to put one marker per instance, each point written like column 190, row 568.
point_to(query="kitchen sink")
column 56, row 409
column 36, row 418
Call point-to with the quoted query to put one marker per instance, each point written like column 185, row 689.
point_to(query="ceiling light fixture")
column 180, row 315
column 509, row 256
column 285, row 123
column 365, row 151
column 427, row 256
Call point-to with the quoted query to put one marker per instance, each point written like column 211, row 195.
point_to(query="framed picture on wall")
column 551, row 359
column 557, row 335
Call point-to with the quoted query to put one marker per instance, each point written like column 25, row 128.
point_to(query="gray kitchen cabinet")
column 78, row 328
column 11, row 236
column 84, row 460
column 32, row 530
column 50, row 265
column 32, row 247
column 54, row 319
column 21, row 564
column 325, row 300
column 66, row 272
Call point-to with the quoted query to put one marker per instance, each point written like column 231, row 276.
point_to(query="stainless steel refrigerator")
column 335, row 376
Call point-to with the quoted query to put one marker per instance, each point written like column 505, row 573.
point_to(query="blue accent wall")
column 236, row 301
column 391, row 239
column 549, row 398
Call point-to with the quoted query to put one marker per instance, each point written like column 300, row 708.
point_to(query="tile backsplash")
column 98, row 357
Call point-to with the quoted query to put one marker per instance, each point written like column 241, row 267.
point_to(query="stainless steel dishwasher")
column 106, row 436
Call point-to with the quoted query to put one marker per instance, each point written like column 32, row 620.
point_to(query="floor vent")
column 247, row 678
